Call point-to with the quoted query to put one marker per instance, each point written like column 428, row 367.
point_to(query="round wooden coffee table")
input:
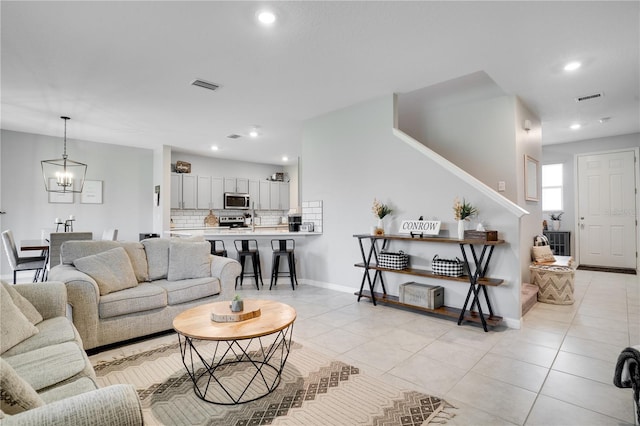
column 235, row 362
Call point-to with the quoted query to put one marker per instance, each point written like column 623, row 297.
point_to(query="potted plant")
column 463, row 211
column 380, row 211
column 555, row 220
column 237, row 305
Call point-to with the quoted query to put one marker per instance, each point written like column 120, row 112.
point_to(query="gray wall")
column 565, row 154
column 127, row 175
column 350, row 157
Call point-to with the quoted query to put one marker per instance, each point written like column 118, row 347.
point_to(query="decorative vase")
column 555, row 224
column 461, row 229
column 380, row 227
column 237, row 306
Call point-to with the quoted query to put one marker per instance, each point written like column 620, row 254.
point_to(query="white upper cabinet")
column 183, row 191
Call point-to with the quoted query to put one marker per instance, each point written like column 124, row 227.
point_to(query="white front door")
column 606, row 209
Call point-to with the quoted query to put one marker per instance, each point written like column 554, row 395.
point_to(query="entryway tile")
column 589, row 368
column 434, row 377
column 517, row 373
column 549, row 411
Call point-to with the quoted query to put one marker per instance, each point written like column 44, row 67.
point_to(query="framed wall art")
column 531, row 179
column 91, row 192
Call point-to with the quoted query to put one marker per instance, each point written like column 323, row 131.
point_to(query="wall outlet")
column 502, row 186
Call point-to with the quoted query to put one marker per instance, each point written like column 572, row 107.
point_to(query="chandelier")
column 62, row 174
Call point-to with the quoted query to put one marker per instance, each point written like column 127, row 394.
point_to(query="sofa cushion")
column 188, row 290
column 189, row 260
column 51, row 332
column 111, row 270
column 138, row 257
column 157, row 250
column 17, row 394
column 143, row 297
column 15, row 326
column 23, row 304
column 50, row 365
column 72, row 250
column 76, row 387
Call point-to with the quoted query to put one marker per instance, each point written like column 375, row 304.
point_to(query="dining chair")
column 21, row 263
column 110, row 235
column 57, row 238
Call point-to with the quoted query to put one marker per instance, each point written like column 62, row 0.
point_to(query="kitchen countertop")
column 260, row 231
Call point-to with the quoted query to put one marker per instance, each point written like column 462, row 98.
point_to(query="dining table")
column 41, row 245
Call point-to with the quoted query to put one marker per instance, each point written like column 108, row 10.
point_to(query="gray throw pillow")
column 111, row 270
column 138, row 258
column 17, row 394
column 157, row 250
column 15, row 326
column 23, row 304
column 189, row 260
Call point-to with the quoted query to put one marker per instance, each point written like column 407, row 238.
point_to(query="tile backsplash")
column 312, row 212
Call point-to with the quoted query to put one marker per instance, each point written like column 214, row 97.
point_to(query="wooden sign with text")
column 420, row 227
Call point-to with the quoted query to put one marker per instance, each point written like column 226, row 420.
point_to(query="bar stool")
column 249, row 248
column 283, row 248
column 217, row 251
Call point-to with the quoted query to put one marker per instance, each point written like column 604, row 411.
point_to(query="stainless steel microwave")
column 235, row 201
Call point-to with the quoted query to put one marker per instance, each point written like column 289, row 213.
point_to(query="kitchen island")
column 263, row 235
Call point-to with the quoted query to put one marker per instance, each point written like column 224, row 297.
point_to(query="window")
column 552, row 187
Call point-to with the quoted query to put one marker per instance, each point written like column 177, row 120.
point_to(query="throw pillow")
column 542, row 254
column 15, row 326
column 138, row 258
column 23, row 304
column 16, row 395
column 189, row 260
column 157, row 250
column 111, row 270
column 540, row 240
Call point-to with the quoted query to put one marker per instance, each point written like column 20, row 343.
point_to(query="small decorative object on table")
column 237, row 305
column 183, row 167
column 380, row 211
column 448, row 267
column 462, row 211
column 555, row 220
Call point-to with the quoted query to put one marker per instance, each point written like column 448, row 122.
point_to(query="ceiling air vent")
column 234, row 136
column 590, row 97
column 205, row 84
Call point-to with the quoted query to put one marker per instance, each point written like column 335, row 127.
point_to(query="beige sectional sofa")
column 45, row 376
column 122, row 290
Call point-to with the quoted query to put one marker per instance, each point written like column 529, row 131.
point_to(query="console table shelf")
column 476, row 270
column 446, row 311
column 493, row 282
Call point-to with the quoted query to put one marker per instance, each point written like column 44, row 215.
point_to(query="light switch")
column 502, row 186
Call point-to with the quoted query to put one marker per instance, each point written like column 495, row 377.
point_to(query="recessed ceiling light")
column 214, row 148
column 253, row 133
column 575, row 126
column 266, row 17
column 285, row 158
column 572, row 66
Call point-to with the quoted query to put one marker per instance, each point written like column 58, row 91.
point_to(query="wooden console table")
column 476, row 279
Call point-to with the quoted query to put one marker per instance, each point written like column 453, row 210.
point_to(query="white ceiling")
column 122, row 70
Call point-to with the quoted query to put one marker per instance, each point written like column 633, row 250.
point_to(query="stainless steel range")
column 232, row 221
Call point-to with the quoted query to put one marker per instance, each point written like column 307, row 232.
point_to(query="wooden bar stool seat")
column 249, row 249
column 284, row 248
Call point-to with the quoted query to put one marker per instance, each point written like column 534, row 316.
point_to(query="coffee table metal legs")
column 233, row 372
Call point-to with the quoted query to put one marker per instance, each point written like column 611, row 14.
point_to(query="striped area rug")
column 315, row 390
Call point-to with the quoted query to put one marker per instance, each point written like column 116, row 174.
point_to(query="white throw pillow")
column 15, row 326
column 111, row 270
column 23, row 304
column 189, row 260
column 17, row 394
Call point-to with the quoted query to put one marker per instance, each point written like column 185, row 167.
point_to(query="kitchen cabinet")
column 264, row 198
column 237, row 185
column 183, row 191
column 210, row 193
column 279, row 195
column 254, row 193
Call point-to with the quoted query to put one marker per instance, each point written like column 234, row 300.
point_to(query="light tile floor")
column 556, row 370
